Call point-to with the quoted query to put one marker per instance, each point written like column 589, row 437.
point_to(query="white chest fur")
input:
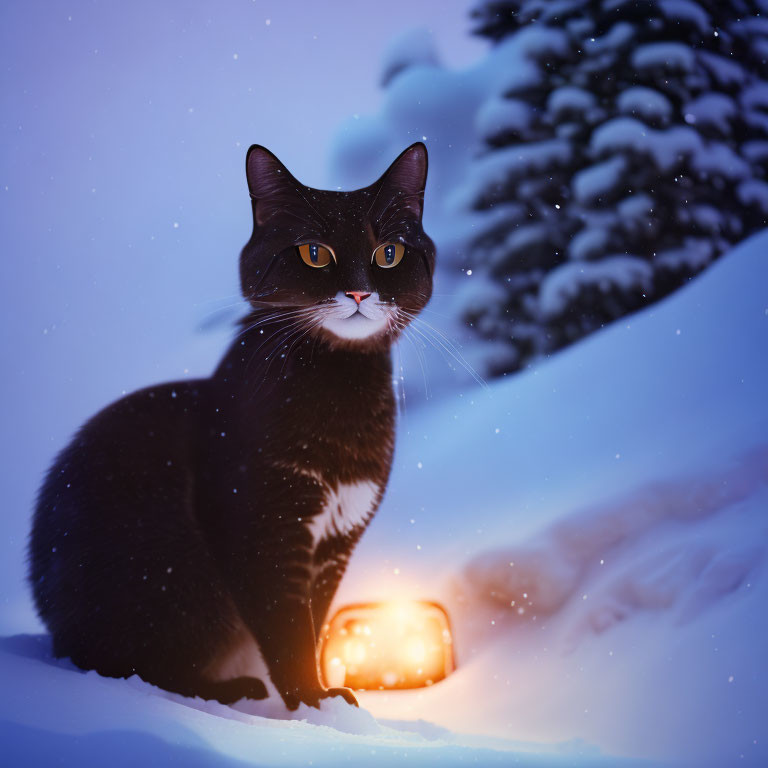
column 346, row 506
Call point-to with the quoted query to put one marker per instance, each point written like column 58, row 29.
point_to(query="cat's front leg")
column 287, row 639
column 267, row 554
column 269, row 573
column 328, row 573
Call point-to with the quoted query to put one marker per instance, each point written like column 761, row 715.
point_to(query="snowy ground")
column 51, row 713
column 597, row 528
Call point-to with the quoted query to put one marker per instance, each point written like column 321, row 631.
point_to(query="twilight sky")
column 279, row 73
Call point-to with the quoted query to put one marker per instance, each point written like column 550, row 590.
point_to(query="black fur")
column 179, row 515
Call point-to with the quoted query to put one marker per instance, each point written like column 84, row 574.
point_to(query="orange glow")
column 376, row 646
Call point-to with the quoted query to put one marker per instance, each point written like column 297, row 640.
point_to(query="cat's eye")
column 389, row 255
column 316, row 255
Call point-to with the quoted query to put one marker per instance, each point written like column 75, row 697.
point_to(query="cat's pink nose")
column 358, row 296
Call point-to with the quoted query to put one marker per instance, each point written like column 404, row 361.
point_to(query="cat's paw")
column 345, row 693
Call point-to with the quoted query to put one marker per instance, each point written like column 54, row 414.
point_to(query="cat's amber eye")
column 316, row 255
column 389, row 255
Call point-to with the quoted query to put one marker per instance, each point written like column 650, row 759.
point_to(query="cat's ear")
column 270, row 184
column 403, row 183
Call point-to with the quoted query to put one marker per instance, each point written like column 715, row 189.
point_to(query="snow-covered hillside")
column 597, row 528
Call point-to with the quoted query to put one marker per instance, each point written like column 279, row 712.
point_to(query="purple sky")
column 279, row 73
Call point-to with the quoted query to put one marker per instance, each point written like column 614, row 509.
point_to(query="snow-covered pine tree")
column 413, row 48
column 630, row 153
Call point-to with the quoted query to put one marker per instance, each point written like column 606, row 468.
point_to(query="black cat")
column 194, row 533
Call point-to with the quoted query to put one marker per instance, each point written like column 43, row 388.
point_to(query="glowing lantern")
column 375, row 646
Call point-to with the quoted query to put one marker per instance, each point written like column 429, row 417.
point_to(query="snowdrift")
column 54, row 714
column 598, row 527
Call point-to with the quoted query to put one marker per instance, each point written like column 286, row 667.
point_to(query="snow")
column 755, row 151
column 637, row 206
column 503, row 166
column 522, row 239
column 754, row 192
column 53, row 713
column 725, row 73
column 598, row 180
column 666, row 147
column 414, row 47
column 597, row 529
column 588, row 243
column 619, row 35
column 646, row 103
column 571, row 101
column 564, row 282
column 755, row 24
column 627, row 479
column 686, row 10
column 663, row 56
column 720, row 159
column 708, row 217
column 541, row 42
column 695, row 254
column 498, row 116
column 755, row 96
column 475, row 294
column 756, row 119
column 715, row 109
column 669, row 147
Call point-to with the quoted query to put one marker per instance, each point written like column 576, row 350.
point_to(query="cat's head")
column 350, row 267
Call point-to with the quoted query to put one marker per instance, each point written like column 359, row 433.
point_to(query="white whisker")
column 440, row 341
